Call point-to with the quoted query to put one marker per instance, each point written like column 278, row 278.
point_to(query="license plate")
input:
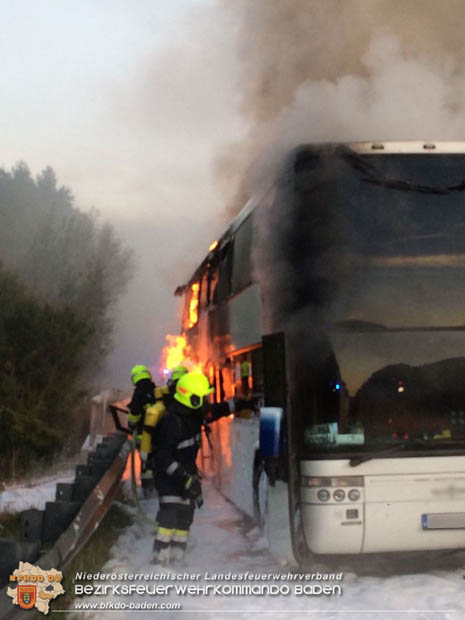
column 443, row 521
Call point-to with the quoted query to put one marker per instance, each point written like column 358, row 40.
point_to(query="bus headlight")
column 339, row 495
column 353, row 495
column 323, row 495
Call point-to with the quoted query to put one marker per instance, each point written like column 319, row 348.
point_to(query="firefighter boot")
column 148, row 486
column 161, row 554
column 178, row 555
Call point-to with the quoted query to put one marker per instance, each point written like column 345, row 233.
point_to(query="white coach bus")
column 336, row 301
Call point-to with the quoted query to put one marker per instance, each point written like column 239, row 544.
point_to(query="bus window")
column 191, row 307
column 212, row 281
column 242, row 268
column 223, row 288
column 203, row 298
column 383, row 284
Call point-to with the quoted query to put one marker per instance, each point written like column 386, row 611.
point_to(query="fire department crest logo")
column 27, row 596
column 32, row 587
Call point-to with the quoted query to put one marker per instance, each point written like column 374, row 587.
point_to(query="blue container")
column 271, row 432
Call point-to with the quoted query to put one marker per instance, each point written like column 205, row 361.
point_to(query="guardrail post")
column 31, row 525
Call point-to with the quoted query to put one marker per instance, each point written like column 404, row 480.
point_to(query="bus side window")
column 223, row 288
column 242, row 268
column 212, row 281
column 190, row 315
column 203, row 298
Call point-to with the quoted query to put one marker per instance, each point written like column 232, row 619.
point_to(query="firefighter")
column 163, row 398
column 153, row 414
column 142, row 398
column 176, row 441
column 143, row 395
column 245, row 371
column 176, row 374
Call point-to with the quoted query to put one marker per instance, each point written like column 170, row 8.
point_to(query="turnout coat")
column 175, row 444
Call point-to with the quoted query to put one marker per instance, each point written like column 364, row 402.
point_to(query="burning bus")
column 335, row 300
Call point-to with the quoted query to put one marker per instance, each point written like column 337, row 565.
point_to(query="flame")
column 194, row 305
column 176, row 353
column 137, row 468
column 213, row 246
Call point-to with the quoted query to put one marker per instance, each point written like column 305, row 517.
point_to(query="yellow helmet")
column 191, row 389
column 178, row 372
column 140, row 372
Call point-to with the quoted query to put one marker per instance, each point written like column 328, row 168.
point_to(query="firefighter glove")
column 133, row 420
column 241, row 403
column 193, row 488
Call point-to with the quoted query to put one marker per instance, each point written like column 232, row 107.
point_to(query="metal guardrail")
column 114, row 409
column 71, row 541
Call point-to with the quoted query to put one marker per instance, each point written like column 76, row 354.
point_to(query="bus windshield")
column 389, row 344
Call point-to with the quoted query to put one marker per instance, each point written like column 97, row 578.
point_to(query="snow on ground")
column 222, row 542
column 34, row 493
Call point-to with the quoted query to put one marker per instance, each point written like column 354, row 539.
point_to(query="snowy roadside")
column 220, row 544
column 34, row 493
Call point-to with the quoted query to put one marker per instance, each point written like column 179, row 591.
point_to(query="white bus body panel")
column 230, row 467
column 397, row 492
column 230, row 462
column 278, row 528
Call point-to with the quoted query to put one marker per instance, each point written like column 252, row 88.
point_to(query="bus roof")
column 362, row 148
column 391, row 146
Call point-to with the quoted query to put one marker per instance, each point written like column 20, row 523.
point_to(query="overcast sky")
column 129, row 102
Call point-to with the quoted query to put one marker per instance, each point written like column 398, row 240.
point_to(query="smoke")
column 343, row 70
column 204, row 122
column 296, row 71
column 175, row 114
column 335, row 71
column 332, row 71
column 286, row 44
